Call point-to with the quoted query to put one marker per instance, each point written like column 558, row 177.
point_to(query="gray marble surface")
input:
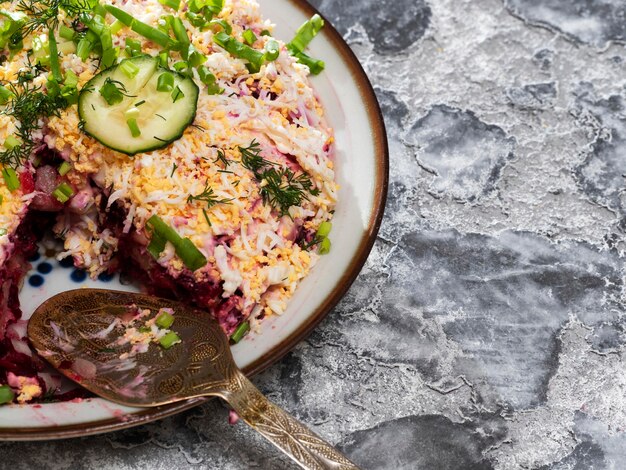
column 487, row 329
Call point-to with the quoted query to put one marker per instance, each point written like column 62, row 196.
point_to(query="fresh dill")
column 27, row 106
column 29, row 72
column 44, row 13
column 206, row 217
column 221, row 157
column 174, row 167
column 280, row 187
column 208, row 196
column 315, row 241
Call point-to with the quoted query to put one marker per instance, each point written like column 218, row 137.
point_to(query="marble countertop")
column 487, row 329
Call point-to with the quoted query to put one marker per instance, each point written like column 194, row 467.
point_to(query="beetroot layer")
column 11, row 278
column 136, row 263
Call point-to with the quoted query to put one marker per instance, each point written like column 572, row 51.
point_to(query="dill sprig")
column 221, row 157
column 208, row 196
column 280, row 187
column 27, row 106
column 44, row 13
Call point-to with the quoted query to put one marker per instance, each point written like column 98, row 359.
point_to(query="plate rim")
column 377, row 124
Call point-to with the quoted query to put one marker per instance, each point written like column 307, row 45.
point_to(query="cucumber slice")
column 160, row 119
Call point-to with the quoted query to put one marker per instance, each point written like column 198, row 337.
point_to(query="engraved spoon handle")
column 280, row 428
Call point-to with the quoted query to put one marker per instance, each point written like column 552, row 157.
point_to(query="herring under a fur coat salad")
column 177, row 140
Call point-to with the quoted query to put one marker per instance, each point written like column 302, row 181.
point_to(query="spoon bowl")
column 93, row 337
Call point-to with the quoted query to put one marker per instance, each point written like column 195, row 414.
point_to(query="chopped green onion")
column 181, row 35
column 55, row 66
column 183, row 68
column 164, row 230
column 265, row 32
column 315, row 66
column 210, row 81
column 306, row 33
column 163, row 59
column 40, row 48
column 66, row 33
column 5, row 95
column 164, row 320
column 111, row 93
column 64, row 168
column 59, row 196
column 302, row 39
column 97, row 7
column 210, row 7
column 249, row 37
column 169, row 340
column 195, row 5
column 165, row 82
column 133, row 47
column 152, row 34
column 97, row 25
column 63, row 193
column 214, row 6
column 240, row 332
column 217, row 24
column 144, row 329
column 83, row 48
column 120, row 15
column 12, row 25
column 324, row 248
column 71, row 79
column 70, row 93
column 132, row 113
column 129, row 68
column 10, row 179
column 6, row 394
column 238, row 49
column 177, row 94
column 197, row 20
column 11, row 142
column 109, row 57
column 175, row 4
column 3, row 231
column 185, row 249
column 190, row 255
column 143, row 29
column 67, row 47
column 324, row 229
column 134, row 127
column 157, row 245
column 53, row 87
column 272, row 50
column 116, row 26
column 195, row 58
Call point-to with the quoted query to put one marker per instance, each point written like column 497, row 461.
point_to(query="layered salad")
column 178, row 141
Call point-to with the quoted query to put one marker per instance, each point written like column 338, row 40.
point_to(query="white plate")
column 362, row 164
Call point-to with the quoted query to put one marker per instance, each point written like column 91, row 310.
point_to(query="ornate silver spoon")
column 81, row 333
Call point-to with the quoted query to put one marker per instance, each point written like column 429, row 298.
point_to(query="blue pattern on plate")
column 106, row 277
column 78, row 275
column 44, row 268
column 36, row 280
